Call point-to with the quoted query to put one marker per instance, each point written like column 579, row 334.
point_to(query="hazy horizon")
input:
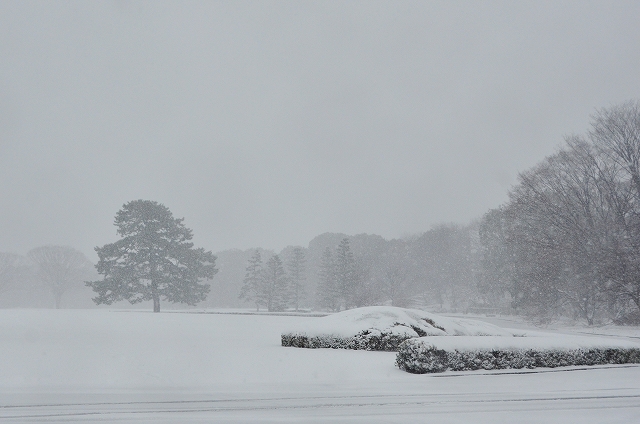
column 265, row 124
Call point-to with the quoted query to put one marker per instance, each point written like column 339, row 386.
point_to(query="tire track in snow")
column 280, row 399
column 347, row 402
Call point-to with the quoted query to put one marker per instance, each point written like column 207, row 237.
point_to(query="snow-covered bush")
column 381, row 328
column 366, row 340
column 437, row 354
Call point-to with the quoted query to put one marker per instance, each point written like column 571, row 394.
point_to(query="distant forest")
column 565, row 244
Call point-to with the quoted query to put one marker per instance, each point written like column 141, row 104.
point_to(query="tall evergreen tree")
column 297, row 276
column 328, row 295
column 153, row 260
column 273, row 291
column 252, row 279
column 346, row 274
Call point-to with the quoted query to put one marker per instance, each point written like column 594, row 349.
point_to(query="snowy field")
column 126, row 366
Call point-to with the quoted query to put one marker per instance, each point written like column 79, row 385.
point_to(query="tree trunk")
column 155, row 296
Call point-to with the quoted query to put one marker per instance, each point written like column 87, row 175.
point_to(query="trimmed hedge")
column 419, row 356
column 365, row 340
column 381, row 328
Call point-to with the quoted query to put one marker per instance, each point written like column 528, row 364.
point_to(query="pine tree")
column 154, row 259
column 328, row 295
column 252, row 279
column 346, row 275
column 297, row 276
column 273, row 291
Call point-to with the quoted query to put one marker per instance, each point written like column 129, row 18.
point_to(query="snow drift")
column 437, row 354
column 382, row 328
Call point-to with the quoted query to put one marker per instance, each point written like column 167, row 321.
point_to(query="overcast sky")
column 268, row 123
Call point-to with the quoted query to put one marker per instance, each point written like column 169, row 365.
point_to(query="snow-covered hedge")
column 381, row 328
column 366, row 340
column 437, row 354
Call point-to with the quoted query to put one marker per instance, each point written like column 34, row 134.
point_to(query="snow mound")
column 437, row 354
column 382, row 328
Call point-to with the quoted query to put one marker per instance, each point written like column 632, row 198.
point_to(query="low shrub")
column 421, row 356
column 381, row 328
column 364, row 340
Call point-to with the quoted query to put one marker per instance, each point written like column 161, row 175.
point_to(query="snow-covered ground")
column 560, row 327
column 127, row 366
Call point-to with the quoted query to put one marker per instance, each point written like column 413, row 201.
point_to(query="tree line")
column 44, row 275
column 567, row 243
column 153, row 260
column 271, row 286
column 338, row 272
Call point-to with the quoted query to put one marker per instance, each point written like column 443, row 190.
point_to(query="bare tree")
column 59, row 267
column 616, row 134
column 9, row 270
column 496, row 262
column 535, row 254
column 562, row 228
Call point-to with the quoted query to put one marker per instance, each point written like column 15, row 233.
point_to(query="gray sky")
column 268, row 123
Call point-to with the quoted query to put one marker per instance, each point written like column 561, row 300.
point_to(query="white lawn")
column 127, row 366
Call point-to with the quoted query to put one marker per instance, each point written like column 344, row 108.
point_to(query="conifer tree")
column 346, row 275
column 273, row 291
column 297, row 276
column 153, row 260
column 252, row 279
column 328, row 295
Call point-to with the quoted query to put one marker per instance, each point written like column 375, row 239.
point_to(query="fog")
column 268, row 123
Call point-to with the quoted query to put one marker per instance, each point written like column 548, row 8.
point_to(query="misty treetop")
column 153, row 260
